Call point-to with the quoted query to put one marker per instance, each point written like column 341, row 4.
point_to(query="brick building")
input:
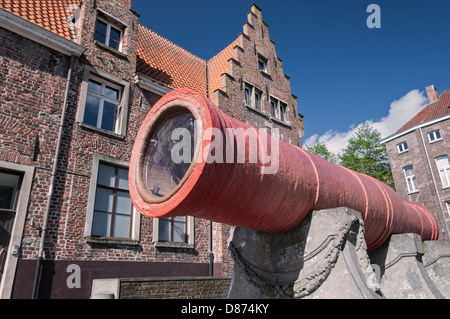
column 77, row 79
column 419, row 156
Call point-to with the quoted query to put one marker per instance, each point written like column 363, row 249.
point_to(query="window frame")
column 135, row 215
column 190, row 235
column 433, row 136
column 113, row 213
column 403, row 145
column 447, row 203
column 444, row 170
column 121, row 119
column 280, row 116
column 107, row 36
column 413, row 179
column 262, row 61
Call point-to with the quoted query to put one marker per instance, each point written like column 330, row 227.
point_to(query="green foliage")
column 321, row 150
column 365, row 154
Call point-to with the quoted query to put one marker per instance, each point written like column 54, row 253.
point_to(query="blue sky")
column 343, row 73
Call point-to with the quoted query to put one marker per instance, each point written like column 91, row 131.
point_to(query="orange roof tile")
column 168, row 63
column 50, row 14
column 431, row 112
column 219, row 65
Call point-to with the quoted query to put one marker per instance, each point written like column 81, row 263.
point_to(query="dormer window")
column 109, row 35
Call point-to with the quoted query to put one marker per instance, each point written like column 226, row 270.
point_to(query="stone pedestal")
column 324, row 257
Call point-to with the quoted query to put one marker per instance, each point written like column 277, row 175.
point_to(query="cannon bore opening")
column 167, row 155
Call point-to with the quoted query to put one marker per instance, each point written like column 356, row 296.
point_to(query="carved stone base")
column 324, row 257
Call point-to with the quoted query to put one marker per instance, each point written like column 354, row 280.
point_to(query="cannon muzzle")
column 191, row 159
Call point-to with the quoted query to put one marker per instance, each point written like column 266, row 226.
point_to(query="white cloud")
column 400, row 112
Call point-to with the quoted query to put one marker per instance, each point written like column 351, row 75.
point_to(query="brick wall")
column 175, row 288
column 417, row 157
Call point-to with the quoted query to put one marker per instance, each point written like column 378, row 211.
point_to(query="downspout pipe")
column 52, row 182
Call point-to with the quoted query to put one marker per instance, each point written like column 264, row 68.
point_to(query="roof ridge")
column 170, row 41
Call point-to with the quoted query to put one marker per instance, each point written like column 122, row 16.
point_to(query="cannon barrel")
column 241, row 193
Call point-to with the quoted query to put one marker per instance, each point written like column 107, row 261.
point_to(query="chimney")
column 432, row 93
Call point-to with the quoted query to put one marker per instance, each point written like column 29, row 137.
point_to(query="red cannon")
column 189, row 160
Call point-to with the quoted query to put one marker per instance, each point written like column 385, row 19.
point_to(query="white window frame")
column 248, row 98
column 432, row 136
column 444, row 171
column 121, row 119
column 110, row 25
column 402, row 147
column 136, row 216
column 411, row 182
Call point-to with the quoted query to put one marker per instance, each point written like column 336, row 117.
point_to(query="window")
column 443, row 166
column 108, row 35
column 9, row 188
column 410, row 179
column 434, row 136
column 448, row 208
column 402, row 147
column 113, row 208
column 258, row 95
column 278, row 110
column 102, row 108
column 273, row 108
column 103, row 102
column 172, row 229
column 262, row 63
column 248, row 95
column 283, row 112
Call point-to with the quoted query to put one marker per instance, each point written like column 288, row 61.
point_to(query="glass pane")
column 123, row 203
column 101, row 224
column 104, row 200
column 100, row 31
column 109, row 116
column 161, row 172
column 112, row 93
column 91, row 110
column 247, row 96
column 121, row 226
column 258, row 101
column 163, row 230
column 438, row 134
column 114, row 38
column 8, row 189
column 180, row 218
column 179, row 233
column 442, row 161
column 94, row 86
column 122, row 178
column 106, row 175
column 409, row 171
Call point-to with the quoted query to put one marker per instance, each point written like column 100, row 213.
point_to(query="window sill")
column 114, row 51
column 100, row 130
column 412, row 193
column 111, row 241
column 281, row 122
column 265, row 74
column 435, row 141
column 403, row 152
column 172, row 244
column 256, row 110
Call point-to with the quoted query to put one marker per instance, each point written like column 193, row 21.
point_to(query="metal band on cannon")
column 239, row 193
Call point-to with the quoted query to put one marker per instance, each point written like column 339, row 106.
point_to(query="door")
column 10, row 183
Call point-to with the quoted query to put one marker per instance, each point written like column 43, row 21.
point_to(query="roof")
column 168, row 63
column 219, row 65
column 433, row 111
column 157, row 57
column 50, row 14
